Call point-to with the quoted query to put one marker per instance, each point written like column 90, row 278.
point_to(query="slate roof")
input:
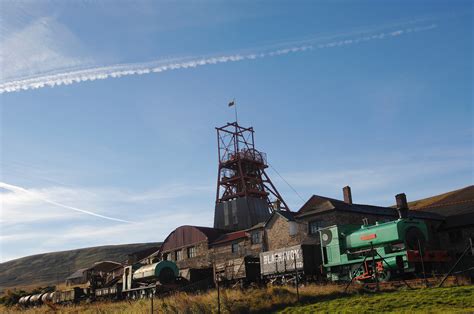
column 229, row 237
column 452, row 203
column 142, row 254
column 319, row 204
column 77, row 274
column 286, row 214
column 257, row 226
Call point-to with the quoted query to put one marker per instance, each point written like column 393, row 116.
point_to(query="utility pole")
column 218, row 295
column 297, row 283
column 152, row 296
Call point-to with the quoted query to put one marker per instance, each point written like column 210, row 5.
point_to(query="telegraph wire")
column 287, row 183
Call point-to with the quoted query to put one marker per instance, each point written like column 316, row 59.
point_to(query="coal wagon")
column 243, row 271
column 282, row 265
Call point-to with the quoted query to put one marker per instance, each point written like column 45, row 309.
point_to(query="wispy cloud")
column 41, row 46
column 38, row 196
column 26, row 217
column 150, row 229
column 116, row 71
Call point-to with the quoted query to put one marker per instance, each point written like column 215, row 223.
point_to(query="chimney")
column 347, row 194
column 402, row 205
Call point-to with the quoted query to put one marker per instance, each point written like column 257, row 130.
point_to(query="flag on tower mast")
column 233, row 104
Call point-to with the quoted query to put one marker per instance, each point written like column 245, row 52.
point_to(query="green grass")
column 314, row 298
column 432, row 300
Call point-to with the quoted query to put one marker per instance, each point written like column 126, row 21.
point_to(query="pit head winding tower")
column 245, row 194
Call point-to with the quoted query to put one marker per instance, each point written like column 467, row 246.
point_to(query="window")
column 292, row 228
column 165, row 256
column 314, row 226
column 191, row 251
column 178, row 255
column 235, row 248
column 256, row 237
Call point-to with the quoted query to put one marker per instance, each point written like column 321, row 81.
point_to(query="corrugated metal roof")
column 105, row 266
column 189, row 235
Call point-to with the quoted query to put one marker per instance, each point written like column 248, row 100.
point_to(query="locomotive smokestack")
column 347, row 194
column 402, row 205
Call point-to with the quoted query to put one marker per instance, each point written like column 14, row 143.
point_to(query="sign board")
column 281, row 260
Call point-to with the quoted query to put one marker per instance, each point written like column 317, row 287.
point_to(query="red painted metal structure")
column 241, row 170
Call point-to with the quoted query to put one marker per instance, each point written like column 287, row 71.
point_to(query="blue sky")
column 373, row 95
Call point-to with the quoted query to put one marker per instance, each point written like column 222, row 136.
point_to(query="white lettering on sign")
column 278, row 257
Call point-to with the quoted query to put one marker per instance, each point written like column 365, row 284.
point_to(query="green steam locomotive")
column 376, row 252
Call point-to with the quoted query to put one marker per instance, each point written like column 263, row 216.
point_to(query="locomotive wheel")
column 354, row 273
column 384, row 275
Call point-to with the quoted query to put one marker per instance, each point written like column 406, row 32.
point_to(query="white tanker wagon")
column 140, row 281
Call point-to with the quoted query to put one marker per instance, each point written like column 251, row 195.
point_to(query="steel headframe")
column 241, row 170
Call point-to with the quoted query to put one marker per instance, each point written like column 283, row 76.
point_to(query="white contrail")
column 114, row 71
column 15, row 188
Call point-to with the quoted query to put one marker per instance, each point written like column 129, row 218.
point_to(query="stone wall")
column 201, row 260
column 277, row 233
column 456, row 240
column 245, row 248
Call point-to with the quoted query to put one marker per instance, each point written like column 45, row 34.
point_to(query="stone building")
column 320, row 211
column 450, row 220
column 189, row 247
column 236, row 254
column 457, row 209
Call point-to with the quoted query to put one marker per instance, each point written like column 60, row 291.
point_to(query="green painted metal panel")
column 163, row 264
column 379, row 234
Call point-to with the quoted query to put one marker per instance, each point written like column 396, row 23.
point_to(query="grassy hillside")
column 52, row 268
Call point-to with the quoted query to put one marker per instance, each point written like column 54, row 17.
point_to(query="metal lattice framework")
column 242, row 168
